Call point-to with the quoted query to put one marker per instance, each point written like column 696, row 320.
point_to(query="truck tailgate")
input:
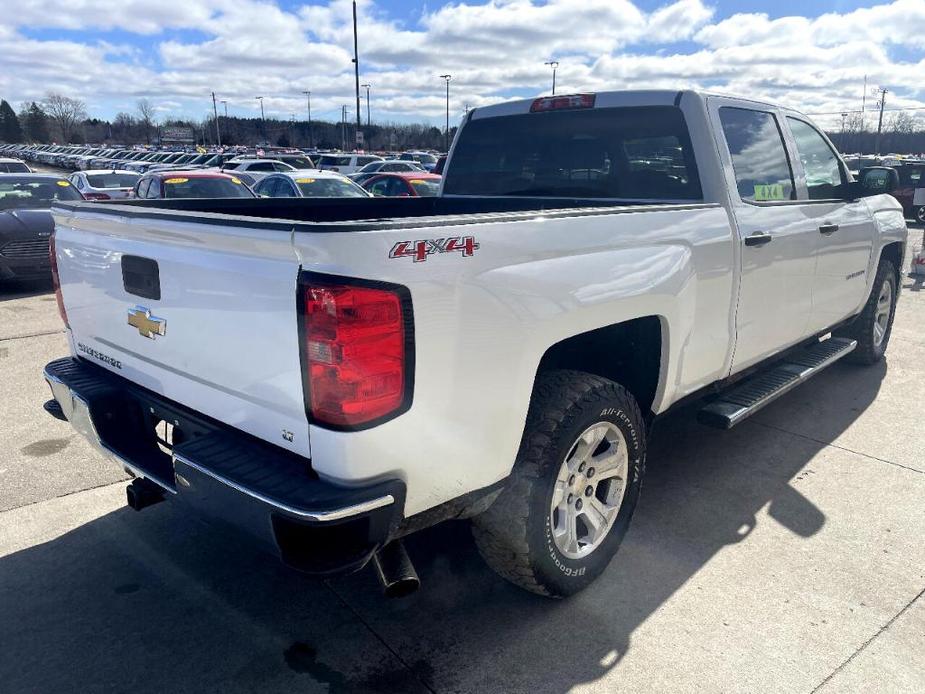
column 222, row 337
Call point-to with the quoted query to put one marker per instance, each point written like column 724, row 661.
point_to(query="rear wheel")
column 574, row 487
column 872, row 328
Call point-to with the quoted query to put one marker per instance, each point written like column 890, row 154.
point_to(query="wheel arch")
column 631, row 352
column 894, row 252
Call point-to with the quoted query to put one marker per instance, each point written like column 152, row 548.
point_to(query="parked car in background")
column 309, row 184
column 299, row 162
column 255, row 169
column 911, row 191
column 385, row 166
column 425, row 159
column 26, row 223
column 345, row 163
column 404, row 185
column 10, row 165
column 112, row 184
column 190, row 184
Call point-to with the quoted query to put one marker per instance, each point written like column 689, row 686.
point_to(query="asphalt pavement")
column 785, row 555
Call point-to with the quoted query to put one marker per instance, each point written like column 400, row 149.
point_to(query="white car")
column 11, row 165
column 108, row 184
column 336, row 374
column 255, row 169
column 308, row 183
column 345, row 163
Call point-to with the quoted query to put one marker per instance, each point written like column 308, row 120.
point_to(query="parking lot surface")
column 784, row 555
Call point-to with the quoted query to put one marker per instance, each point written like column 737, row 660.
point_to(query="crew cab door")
column 846, row 227
column 777, row 243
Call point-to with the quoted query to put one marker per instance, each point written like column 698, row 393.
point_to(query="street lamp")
column 366, row 86
column 311, row 137
column 553, row 64
column 263, row 120
column 225, row 104
column 446, row 138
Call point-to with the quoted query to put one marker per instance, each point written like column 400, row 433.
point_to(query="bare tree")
column 902, row 123
column 147, row 116
column 65, row 112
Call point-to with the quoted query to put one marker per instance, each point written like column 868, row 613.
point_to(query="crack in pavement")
column 23, row 337
column 841, row 448
column 869, row 641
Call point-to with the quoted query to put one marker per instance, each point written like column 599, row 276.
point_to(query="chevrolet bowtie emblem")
column 147, row 325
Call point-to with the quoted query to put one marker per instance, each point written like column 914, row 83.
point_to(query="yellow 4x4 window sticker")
column 769, row 191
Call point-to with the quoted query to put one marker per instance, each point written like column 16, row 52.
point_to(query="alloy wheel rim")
column 589, row 490
column 882, row 314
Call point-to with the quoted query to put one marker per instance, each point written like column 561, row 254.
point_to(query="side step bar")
column 744, row 400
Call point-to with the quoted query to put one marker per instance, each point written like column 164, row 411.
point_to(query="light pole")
column 553, row 64
column 366, row 86
column 225, row 104
column 356, row 63
column 311, row 137
column 218, row 134
column 263, row 120
column 882, row 103
column 844, row 116
column 446, row 138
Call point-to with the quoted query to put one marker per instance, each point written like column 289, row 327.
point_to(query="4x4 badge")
column 146, row 324
column 419, row 250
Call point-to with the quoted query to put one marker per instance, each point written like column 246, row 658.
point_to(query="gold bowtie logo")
column 147, row 325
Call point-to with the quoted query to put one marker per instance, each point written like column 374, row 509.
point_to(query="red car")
column 409, row 184
column 911, row 191
column 190, row 184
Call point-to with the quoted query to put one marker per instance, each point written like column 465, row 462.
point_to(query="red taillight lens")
column 56, row 283
column 96, row 196
column 355, row 353
column 558, row 103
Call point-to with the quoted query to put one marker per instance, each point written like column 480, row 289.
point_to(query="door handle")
column 759, row 238
column 828, row 229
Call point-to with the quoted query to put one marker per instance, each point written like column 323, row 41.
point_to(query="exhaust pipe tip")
column 395, row 571
column 142, row 493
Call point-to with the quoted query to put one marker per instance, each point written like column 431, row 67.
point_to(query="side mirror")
column 874, row 180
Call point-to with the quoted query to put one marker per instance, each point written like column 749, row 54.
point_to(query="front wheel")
column 872, row 328
column 920, row 214
column 570, row 497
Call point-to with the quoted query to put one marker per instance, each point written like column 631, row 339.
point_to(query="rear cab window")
column 636, row 153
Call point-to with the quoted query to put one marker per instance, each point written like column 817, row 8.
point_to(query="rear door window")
column 759, row 158
column 640, row 153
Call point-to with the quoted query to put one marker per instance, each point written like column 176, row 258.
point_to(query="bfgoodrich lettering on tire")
column 570, row 497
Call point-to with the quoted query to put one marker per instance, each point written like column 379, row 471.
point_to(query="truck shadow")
column 22, row 289
column 158, row 601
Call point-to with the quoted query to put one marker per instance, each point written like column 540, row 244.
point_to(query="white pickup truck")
column 331, row 375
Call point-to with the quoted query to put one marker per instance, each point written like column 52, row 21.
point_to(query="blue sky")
column 811, row 55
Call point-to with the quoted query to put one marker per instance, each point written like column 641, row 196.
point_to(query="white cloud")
column 493, row 48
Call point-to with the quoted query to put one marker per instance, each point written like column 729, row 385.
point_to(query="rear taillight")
column 96, row 196
column 559, row 103
column 56, row 283
column 357, row 352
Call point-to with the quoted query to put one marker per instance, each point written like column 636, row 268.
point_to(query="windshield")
column 299, row 162
column 631, row 153
column 182, row 187
column 425, row 187
column 329, row 188
column 35, row 193
column 112, row 180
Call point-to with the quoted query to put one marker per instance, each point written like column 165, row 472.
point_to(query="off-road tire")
column 868, row 352
column 514, row 535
